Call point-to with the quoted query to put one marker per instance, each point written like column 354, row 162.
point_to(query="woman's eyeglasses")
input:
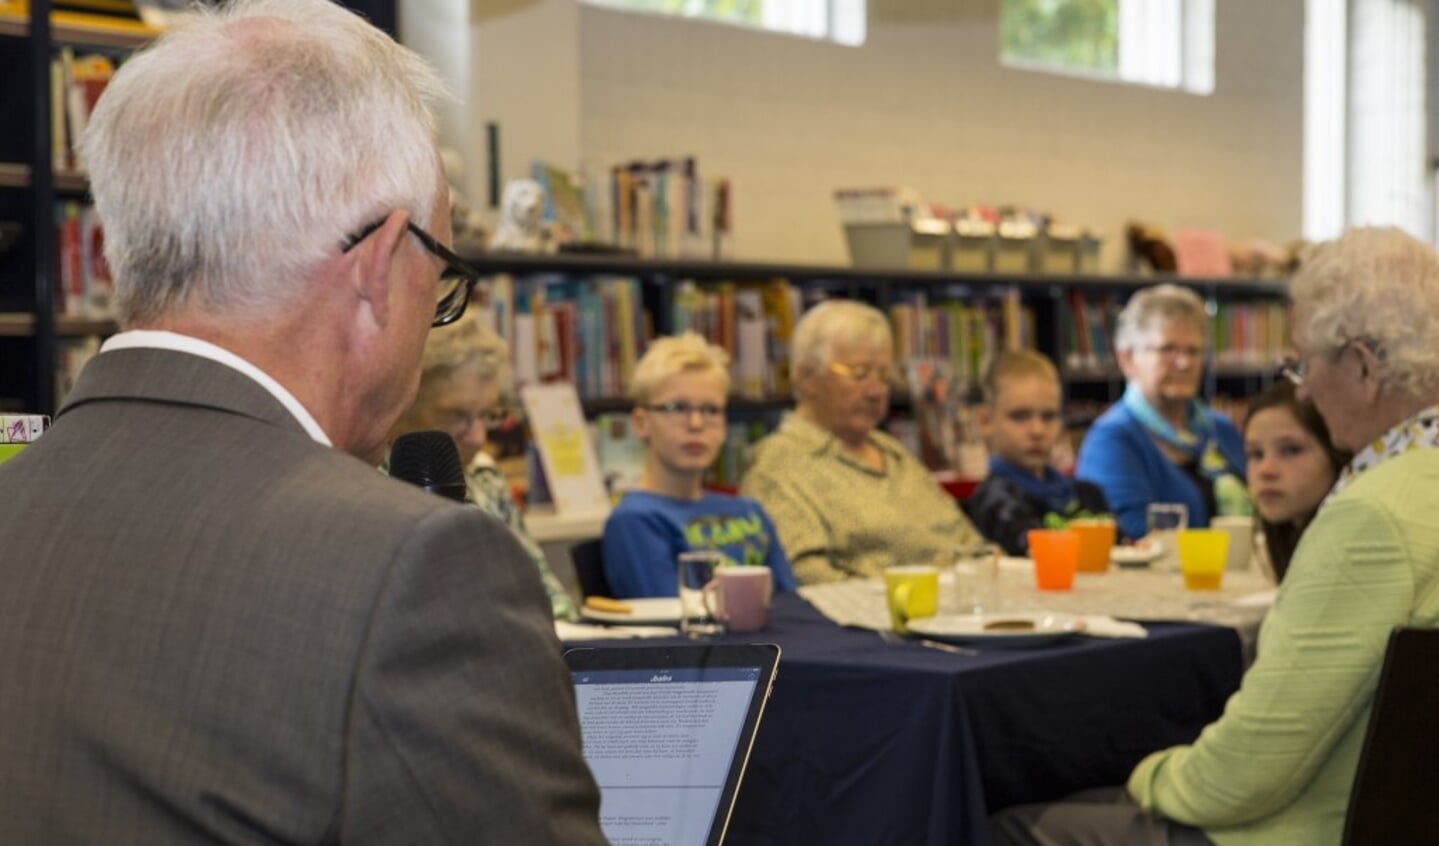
column 882, row 373
column 460, row 422
column 457, row 279
column 1295, row 368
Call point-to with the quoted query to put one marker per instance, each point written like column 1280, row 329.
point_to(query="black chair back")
column 588, row 558
column 1393, row 797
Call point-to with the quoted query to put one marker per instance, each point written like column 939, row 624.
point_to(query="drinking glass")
column 696, row 583
column 1166, row 520
column 976, row 579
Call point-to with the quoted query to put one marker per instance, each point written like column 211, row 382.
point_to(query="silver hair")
column 1166, row 301
column 835, row 323
column 232, row 156
column 1379, row 286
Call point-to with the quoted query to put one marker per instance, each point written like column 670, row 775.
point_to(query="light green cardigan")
column 1277, row 767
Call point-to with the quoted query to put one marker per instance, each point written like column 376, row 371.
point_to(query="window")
column 1166, row 43
column 841, row 21
column 1366, row 126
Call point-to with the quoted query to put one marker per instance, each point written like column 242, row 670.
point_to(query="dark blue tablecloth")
column 868, row 743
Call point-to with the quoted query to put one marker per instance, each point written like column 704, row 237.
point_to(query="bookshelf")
column 957, row 317
column 40, row 343
column 1044, row 308
column 928, row 311
column 34, row 331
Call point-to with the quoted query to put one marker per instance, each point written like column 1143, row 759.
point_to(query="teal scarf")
column 1200, row 443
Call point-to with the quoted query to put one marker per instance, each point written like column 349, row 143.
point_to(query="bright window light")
column 841, row 21
column 1164, row 43
column 1326, row 80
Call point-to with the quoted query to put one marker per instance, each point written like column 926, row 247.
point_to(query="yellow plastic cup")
column 911, row 592
column 1201, row 557
column 1056, row 557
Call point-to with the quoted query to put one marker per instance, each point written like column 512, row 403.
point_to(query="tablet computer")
column 667, row 733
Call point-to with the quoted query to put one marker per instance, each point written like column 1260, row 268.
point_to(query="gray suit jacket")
column 215, row 630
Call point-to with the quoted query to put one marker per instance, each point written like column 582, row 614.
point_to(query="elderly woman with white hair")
column 1278, row 766
column 1161, row 443
column 846, row 498
column 465, row 374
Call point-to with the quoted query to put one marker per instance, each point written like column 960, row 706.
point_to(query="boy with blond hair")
column 679, row 388
column 1021, row 422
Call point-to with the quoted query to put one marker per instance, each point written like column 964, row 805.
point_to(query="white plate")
column 973, row 628
column 1138, row 555
column 652, row 611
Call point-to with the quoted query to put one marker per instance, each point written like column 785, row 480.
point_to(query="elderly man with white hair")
column 1278, row 766
column 219, row 624
column 847, row 499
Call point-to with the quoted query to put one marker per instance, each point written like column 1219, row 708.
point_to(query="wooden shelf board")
column 80, row 327
column 19, row 324
column 72, row 182
column 79, row 28
column 603, row 265
column 16, row 324
column 14, row 175
column 17, row 175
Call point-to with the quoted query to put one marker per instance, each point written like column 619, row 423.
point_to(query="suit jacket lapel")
column 173, row 377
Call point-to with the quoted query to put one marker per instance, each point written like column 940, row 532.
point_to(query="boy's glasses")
column 457, row 279
column 684, row 412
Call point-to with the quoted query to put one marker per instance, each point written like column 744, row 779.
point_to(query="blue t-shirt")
column 648, row 531
column 1120, row 456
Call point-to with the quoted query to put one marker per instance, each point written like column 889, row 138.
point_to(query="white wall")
column 525, row 57
column 429, row 27
column 923, row 103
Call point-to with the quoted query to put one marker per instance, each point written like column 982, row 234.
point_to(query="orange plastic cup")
column 1095, row 541
column 1056, row 557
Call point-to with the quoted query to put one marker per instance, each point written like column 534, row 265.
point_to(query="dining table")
column 873, row 739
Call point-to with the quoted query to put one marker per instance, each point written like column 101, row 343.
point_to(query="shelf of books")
column 587, row 319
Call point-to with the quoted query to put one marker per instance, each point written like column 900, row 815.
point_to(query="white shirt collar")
column 163, row 340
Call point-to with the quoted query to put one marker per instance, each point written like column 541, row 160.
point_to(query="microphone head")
column 430, row 460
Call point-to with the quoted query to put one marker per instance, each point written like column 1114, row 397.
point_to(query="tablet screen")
column 667, row 731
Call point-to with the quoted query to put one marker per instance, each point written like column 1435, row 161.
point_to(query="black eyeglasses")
column 457, row 280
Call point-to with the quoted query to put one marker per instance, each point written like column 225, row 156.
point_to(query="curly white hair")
column 1380, row 286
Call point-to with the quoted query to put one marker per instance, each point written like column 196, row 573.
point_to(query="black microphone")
column 430, row 460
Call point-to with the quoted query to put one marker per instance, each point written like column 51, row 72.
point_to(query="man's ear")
column 374, row 259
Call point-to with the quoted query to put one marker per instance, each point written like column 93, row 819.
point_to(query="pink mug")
column 741, row 597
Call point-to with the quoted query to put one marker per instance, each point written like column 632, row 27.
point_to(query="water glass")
column 696, row 585
column 1165, row 521
column 976, row 579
